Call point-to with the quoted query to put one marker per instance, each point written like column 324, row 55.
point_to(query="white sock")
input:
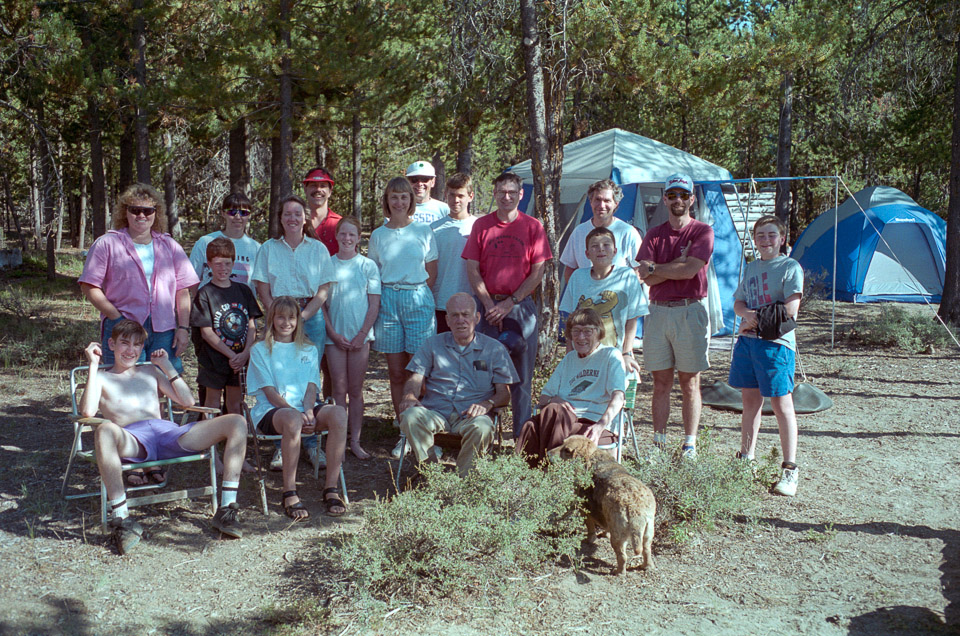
column 228, row 492
column 690, row 440
column 118, row 507
column 660, row 439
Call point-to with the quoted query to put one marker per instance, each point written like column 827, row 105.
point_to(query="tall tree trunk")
column 950, row 303
column 170, row 190
column 16, row 220
column 127, row 152
column 239, row 168
column 46, row 189
column 98, row 203
column 437, row 191
column 546, row 156
column 61, row 201
column 140, row 71
column 276, row 195
column 286, row 105
column 356, row 183
column 784, row 146
column 82, row 224
column 465, row 153
column 36, row 193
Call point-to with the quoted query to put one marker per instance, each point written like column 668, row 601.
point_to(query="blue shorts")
column 407, row 317
column 762, row 364
column 316, row 330
column 159, row 438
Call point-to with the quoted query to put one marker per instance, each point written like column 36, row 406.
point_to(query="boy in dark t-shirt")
column 223, row 318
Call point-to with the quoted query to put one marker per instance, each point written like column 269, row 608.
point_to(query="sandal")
column 136, row 478
column 157, row 475
column 333, row 502
column 293, row 510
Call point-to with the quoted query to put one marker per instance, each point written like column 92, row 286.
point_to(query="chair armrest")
column 89, row 421
column 203, row 409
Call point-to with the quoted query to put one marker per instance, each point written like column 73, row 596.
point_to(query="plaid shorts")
column 405, row 320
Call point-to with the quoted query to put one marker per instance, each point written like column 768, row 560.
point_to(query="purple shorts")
column 160, row 439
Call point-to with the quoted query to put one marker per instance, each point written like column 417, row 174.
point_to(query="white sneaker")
column 395, row 453
column 316, row 457
column 436, row 451
column 276, row 464
column 688, row 452
column 787, row 486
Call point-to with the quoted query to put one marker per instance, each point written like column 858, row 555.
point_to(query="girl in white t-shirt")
column 350, row 312
column 283, row 377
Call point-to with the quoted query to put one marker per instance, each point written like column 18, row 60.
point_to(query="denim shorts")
column 762, row 364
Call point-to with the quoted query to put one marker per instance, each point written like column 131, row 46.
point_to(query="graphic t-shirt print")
column 230, row 322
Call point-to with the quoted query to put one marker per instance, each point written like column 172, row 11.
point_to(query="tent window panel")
column 919, row 273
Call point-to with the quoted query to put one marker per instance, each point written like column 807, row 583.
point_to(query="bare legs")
column 691, row 405
column 397, row 370
column 349, row 369
column 786, row 423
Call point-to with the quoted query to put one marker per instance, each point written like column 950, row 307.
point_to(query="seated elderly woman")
column 584, row 394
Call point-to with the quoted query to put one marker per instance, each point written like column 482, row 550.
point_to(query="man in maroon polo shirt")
column 673, row 261
column 317, row 188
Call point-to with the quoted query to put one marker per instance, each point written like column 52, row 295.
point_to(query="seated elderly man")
column 466, row 376
column 127, row 397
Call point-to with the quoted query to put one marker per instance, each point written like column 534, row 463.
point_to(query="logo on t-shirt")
column 230, row 324
column 608, row 303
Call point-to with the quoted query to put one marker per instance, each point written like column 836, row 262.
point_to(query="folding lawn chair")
column 451, row 441
column 83, row 425
column 624, row 421
column 258, row 436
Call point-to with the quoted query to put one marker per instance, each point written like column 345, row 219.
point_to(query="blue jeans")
column 155, row 341
column 526, row 316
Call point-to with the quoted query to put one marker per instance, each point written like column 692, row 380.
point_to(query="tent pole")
column 833, row 305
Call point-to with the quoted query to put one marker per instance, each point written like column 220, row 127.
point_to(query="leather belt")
column 675, row 303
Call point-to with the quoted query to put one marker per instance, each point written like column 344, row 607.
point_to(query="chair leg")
column 403, row 453
column 343, row 486
column 103, row 506
column 213, row 479
column 263, row 496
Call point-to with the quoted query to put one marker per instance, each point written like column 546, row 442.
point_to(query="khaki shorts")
column 677, row 338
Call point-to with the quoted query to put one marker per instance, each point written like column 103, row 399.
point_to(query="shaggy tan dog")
column 618, row 502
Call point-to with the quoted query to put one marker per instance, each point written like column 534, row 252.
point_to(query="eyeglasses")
column 673, row 196
column 576, row 332
column 420, row 179
column 507, row 193
column 143, row 211
column 243, row 213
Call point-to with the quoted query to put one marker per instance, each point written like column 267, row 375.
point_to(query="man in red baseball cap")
column 318, row 186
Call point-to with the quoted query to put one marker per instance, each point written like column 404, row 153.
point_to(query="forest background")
column 199, row 98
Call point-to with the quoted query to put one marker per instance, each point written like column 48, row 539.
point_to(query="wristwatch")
column 184, row 327
column 651, row 268
column 515, row 300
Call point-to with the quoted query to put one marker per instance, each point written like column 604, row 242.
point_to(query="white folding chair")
column 83, row 425
column 624, row 421
column 259, row 436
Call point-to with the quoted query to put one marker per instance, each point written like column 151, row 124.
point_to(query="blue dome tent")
column 892, row 250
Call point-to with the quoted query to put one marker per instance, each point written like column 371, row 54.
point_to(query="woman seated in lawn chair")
column 584, row 394
column 126, row 395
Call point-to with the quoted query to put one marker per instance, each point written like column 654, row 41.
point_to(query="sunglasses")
column 673, row 196
column 137, row 210
column 420, row 179
column 243, row 213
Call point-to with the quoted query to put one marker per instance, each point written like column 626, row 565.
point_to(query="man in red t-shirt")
column 505, row 255
column 318, row 186
column 673, row 262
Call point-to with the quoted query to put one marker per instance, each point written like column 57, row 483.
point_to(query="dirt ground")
column 870, row 545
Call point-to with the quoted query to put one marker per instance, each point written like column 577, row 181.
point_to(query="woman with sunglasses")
column 137, row 271
column 236, row 211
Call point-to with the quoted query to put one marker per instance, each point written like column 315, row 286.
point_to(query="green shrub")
column 895, row 326
column 456, row 536
column 692, row 496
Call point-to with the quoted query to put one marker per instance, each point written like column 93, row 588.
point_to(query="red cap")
column 318, row 175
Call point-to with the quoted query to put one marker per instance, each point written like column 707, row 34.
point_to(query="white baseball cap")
column 421, row 169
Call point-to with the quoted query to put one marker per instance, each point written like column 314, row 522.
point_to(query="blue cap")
column 682, row 181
